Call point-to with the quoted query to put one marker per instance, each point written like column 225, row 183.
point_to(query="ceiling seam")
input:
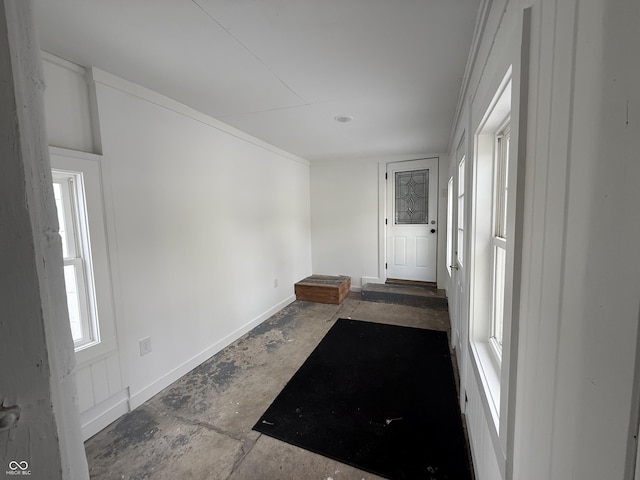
column 239, row 42
column 276, row 109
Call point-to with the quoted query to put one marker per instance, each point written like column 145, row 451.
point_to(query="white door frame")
column 382, row 214
column 418, row 247
column 458, row 299
column 456, row 270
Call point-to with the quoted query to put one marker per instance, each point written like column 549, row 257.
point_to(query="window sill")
column 488, row 372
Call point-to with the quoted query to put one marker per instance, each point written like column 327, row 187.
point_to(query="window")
column 499, row 238
column 68, row 189
column 79, row 182
column 490, row 259
column 460, row 236
column 450, row 226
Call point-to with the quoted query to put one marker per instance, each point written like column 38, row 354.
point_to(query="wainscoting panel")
column 483, row 450
column 101, row 398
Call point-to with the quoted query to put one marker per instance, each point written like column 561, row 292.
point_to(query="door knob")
column 433, row 230
column 455, row 266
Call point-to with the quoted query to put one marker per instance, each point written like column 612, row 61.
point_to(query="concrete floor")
column 200, row 426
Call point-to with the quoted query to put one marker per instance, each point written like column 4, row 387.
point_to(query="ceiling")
column 282, row 70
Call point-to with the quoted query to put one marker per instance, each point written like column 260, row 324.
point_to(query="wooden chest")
column 323, row 289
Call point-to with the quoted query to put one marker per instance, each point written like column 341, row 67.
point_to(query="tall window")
column 450, row 226
column 69, row 195
column 490, row 296
column 460, row 236
column 499, row 238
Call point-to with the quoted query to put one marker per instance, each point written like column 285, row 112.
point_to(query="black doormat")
column 379, row 397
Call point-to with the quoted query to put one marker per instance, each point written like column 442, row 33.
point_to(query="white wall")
column 201, row 220
column 205, row 219
column 580, row 325
column 573, row 388
column 102, row 396
column 344, row 219
column 347, row 215
column 67, row 105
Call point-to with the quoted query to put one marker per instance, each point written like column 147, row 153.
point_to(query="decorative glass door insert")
column 412, row 197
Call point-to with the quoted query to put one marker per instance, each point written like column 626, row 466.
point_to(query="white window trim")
column 89, row 165
column 451, row 228
column 501, row 177
column 499, row 234
column 78, row 246
column 485, row 356
column 461, row 212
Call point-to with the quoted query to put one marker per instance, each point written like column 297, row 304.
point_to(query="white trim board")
column 61, row 62
column 102, row 415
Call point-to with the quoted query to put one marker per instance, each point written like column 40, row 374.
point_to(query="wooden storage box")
column 323, row 289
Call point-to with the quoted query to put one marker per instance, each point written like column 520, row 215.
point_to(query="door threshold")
column 418, row 283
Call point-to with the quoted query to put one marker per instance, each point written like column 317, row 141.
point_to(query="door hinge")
column 386, row 267
column 386, row 176
column 386, row 221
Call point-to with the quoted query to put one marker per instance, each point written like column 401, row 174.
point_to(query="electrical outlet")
column 145, row 346
column 275, row 283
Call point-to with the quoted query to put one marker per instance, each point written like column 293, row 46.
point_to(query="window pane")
column 451, row 227
column 461, row 182
column 70, row 200
column 498, row 294
column 505, row 185
column 73, row 301
column 460, row 229
column 501, row 184
column 412, row 197
column 57, row 193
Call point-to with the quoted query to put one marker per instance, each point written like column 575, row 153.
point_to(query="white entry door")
column 412, row 223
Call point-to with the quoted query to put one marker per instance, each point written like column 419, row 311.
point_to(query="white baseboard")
column 102, row 415
column 364, row 281
column 144, row 394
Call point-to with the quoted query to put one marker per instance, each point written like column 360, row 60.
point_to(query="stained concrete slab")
column 273, row 459
column 149, row 444
column 404, row 315
column 200, row 426
column 405, row 294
